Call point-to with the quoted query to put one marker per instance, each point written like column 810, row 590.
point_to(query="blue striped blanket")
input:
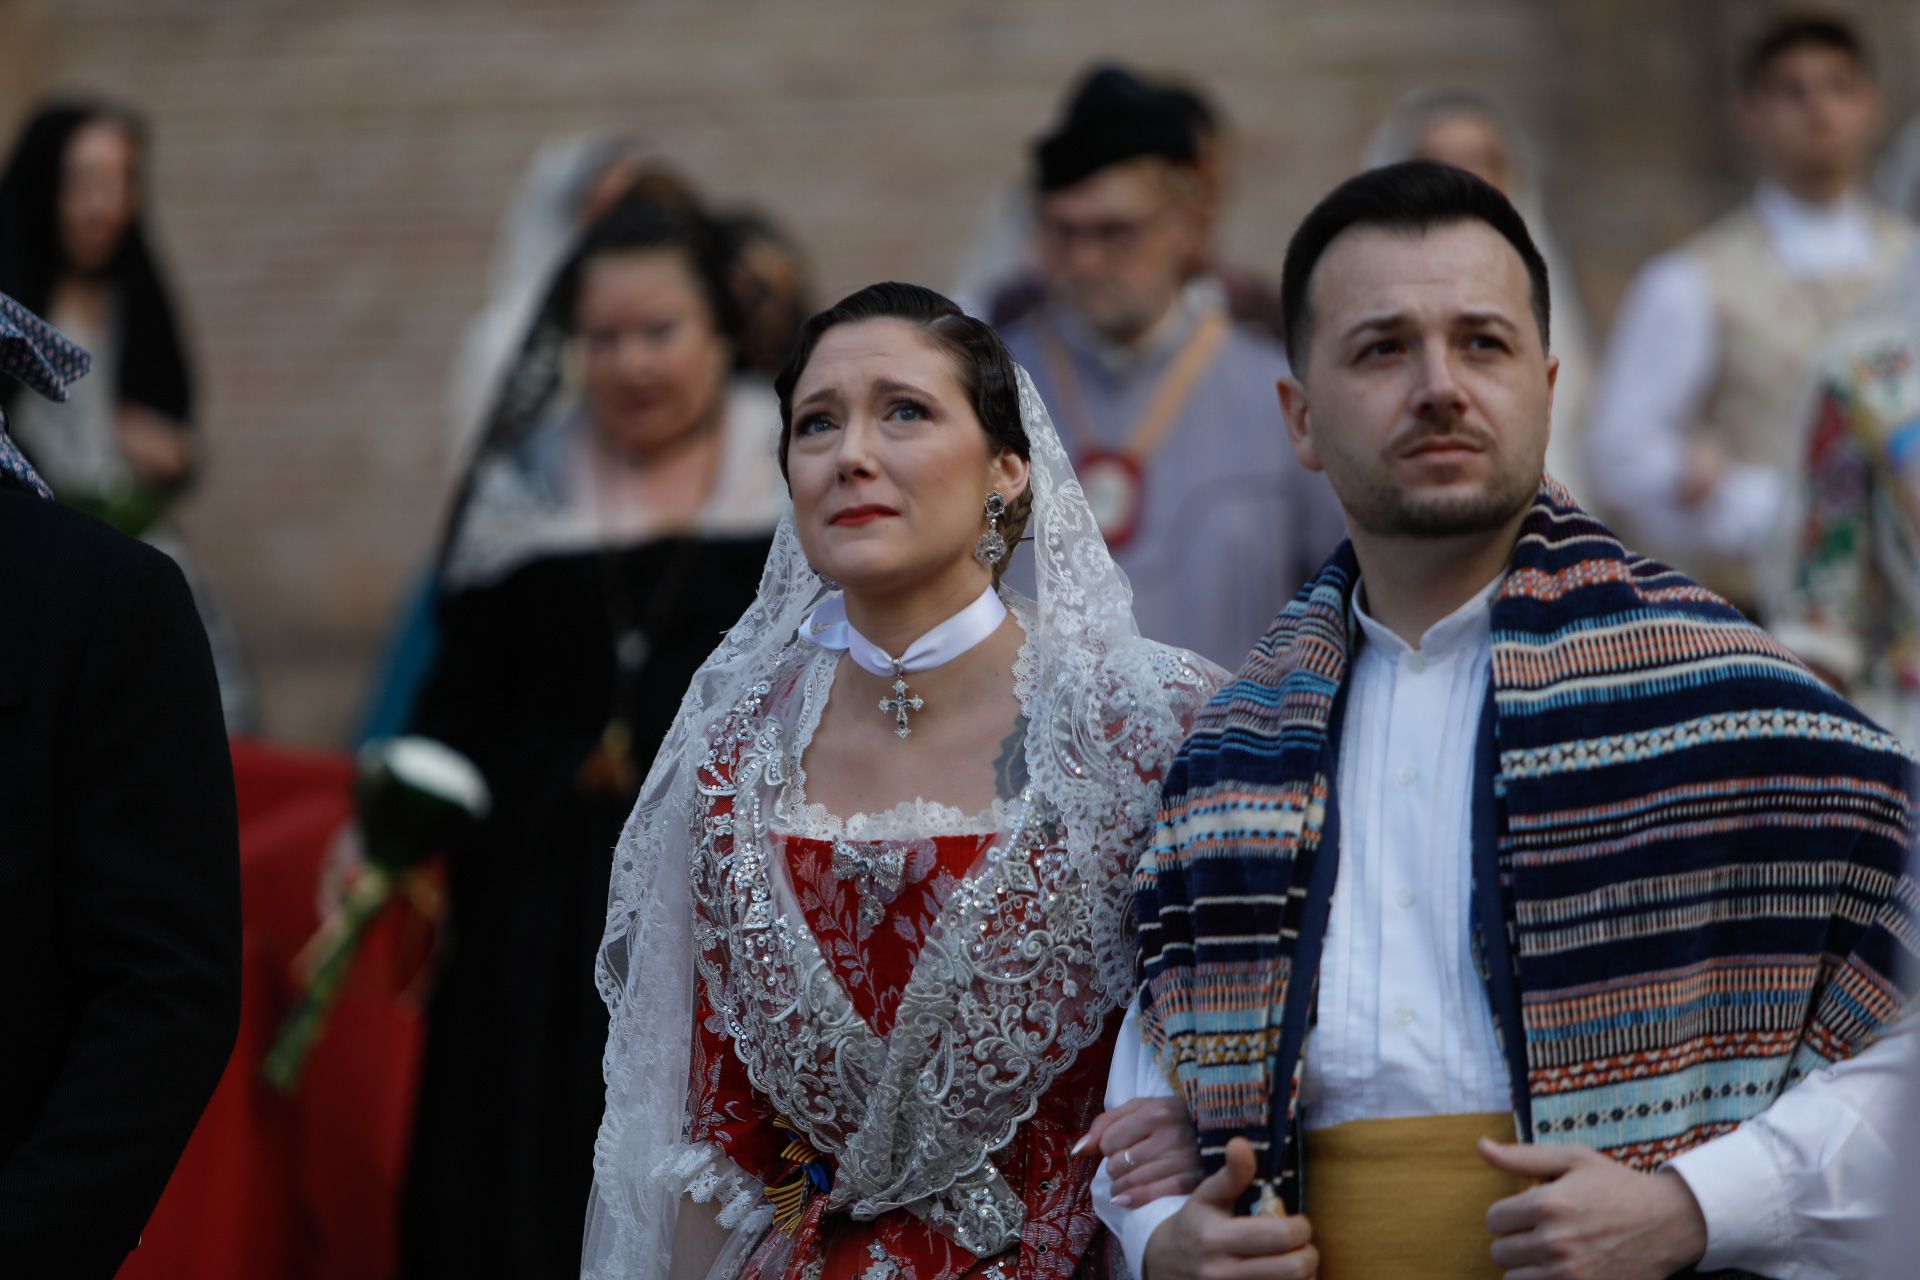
column 1698, row 850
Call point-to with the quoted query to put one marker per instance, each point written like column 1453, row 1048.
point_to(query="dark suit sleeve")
column 147, row 918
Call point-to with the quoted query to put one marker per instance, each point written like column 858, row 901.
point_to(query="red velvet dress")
column 873, row 961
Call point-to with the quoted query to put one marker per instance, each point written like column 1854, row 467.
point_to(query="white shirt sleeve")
column 1132, row 1075
column 1801, row 1190
column 1652, row 389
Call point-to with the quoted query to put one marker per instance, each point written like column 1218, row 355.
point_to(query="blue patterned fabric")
column 1693, row 860
column 34, row 353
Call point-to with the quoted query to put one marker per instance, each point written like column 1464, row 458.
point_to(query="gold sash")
column 1405, row 1199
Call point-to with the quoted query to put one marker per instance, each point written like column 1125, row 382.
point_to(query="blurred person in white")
column 1852, row 607
column 866, row 939
column 74, row 248
column 1472, row 130
column 1165, row 402
column 1696, row 432
column 1901, row 1247
column 613, row 522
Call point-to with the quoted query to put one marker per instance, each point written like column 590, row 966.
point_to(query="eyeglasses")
column 1108, row 235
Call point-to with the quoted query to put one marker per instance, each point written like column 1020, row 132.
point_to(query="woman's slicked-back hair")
column 981, row 364
column 980, row 360
column 1414, row 196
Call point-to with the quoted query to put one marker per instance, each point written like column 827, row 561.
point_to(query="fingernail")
column 1124, row 1200
column 1081, row 1145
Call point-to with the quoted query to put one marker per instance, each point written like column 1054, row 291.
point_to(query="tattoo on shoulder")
column 1010, row 766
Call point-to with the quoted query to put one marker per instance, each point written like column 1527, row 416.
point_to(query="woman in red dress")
column 867, row 936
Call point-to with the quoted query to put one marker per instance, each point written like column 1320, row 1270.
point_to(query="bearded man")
column 1519, row 908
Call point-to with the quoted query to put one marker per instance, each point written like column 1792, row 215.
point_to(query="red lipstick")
column 865, row 513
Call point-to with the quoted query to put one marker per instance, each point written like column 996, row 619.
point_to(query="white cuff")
column 1743, row 1197
column 706, row 1175
column 1138, row 1226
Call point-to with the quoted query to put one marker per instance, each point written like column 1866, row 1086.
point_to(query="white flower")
column 432, row 768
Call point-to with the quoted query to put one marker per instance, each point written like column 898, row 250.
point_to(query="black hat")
column 1113, row 116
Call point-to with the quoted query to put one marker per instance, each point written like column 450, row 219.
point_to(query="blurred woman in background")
column 73, row 249
column 613, row 525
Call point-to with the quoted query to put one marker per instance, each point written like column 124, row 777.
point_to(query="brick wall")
column 328, row 178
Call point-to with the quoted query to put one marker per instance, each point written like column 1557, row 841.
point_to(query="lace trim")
column 704, row 1173
column 1026, row 663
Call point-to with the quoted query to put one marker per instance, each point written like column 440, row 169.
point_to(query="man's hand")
column 1150, row 1148
column 1590, row 1217
column 1205, row 1240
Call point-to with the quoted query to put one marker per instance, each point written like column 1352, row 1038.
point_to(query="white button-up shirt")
column 1660, row 368
column 1404, row 1027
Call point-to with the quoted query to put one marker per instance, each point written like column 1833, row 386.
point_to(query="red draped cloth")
column 307, row 1187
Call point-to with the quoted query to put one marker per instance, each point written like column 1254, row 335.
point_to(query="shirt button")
column 1416, row 663
column 1404, row 897
column 1404, row 1016
column 1407, row 776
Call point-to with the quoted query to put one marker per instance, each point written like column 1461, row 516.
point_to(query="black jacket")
column 119, row 887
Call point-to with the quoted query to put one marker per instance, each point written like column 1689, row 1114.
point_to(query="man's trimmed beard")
column 1388, row 512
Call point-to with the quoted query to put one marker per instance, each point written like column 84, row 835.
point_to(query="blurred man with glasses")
column 1163, row 399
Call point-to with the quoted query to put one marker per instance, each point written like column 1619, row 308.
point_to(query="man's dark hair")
column 1801, row 31
column 1113, row 116
column 1412, row 197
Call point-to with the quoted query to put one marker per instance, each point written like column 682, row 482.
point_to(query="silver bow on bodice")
column 877, row 870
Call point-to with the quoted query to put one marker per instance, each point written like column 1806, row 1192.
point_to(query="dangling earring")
column 992, row 548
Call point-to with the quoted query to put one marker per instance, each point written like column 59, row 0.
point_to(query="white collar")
column 1465, row 630
column 1816, row 239
column 827, row 626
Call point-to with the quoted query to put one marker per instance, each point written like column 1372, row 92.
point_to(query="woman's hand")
column 1150, row 1147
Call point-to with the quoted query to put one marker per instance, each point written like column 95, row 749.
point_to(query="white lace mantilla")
column 1016, row 976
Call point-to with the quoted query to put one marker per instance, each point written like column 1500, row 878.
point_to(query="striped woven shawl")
column 1700, row 852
